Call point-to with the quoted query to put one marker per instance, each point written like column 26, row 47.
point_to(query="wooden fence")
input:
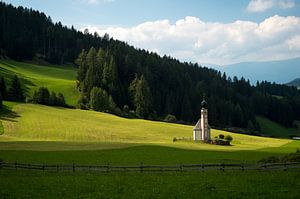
column 149, row 168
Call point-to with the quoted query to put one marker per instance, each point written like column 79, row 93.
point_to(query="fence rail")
column 148, row 168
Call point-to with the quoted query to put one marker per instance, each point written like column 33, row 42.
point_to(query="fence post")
column 202, row 166
column 73, row 168
column 0, row 164
column 222, row 167
column 243, row 168
column 181, row 168
column 141, row 167
column 285, row 166
column 107, row 168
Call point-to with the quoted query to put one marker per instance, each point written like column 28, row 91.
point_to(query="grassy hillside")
column 271, row 128
column 56, row 78
column 42, row 123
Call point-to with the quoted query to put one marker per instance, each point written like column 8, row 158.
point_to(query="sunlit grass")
column 43, row 123
column 55, row 78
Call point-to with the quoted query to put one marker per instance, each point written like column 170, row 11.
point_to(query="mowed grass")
column 55, row 78
column 216, row 184
column 271, row 128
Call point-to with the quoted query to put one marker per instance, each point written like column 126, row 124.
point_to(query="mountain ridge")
column 281, row 71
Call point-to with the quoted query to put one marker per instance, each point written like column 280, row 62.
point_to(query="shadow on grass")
column 6, row 113
column 8, row 74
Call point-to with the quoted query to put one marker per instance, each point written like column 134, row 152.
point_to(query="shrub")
column 221, row 136
column 228, row 138
column 126, row 109
column 174, row 139
column 170, row 118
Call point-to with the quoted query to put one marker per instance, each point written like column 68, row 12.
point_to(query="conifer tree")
column 3, row 88
column 53, row 99
column 82, row 65
column 110, row 75
column 43, row 96
column 61, row 99
column 91, row 78
column 15, row 91
column 142, row 98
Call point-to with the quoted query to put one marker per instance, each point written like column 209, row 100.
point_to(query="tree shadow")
column 8, row 75
column 6, row 113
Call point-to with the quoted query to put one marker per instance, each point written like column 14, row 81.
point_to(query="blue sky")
column 133, row 12
column 204, row 31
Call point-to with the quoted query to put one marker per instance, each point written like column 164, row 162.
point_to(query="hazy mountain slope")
column 295, row 82
column 274, row 71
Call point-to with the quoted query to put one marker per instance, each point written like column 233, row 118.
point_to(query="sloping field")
column 55, row 78
column 29, row 122
column 269, row 127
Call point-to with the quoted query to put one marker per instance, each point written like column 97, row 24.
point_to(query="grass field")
column 55, row 78
column 37, row 133
column 152, row 185
column 271, row 128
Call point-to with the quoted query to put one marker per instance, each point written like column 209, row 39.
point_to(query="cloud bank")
column 263, row 5
column 191, row 39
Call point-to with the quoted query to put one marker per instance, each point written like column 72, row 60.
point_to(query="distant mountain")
column 295, row 82
column 273, row 71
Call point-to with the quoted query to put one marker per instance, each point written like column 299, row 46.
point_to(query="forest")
column 116, row 77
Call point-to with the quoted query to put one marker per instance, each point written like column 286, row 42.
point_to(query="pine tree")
column 91, row 78
column 100, row 61
column 15, row 91
column 99, row 99
column 82, row 65
column 61, row 100
column 143, row 98
column 53, row 99
column 43, row 96
column 110, row 75
column 3, row 88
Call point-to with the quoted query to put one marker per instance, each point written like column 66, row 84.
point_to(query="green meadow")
column 271, row 128
column 37, row 133
column 150, row 185
column 55, row 78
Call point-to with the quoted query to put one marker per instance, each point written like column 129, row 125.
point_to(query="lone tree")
column 15, row 91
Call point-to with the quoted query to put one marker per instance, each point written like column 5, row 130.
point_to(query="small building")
column 201, row 130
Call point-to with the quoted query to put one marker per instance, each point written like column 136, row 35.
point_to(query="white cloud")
column 263, row 5
column 98, row 1
column 191, row 39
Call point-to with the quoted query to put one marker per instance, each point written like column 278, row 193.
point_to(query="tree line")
column 154, row 87
column 116, row 77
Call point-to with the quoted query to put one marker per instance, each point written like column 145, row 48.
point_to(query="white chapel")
column 201, row 130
